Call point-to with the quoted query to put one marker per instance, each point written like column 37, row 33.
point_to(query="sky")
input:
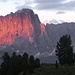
column 49, row 11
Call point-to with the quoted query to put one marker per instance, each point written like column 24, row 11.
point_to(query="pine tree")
column 31, row 63
column 5, row 64
column 25, row 62
column 37, row 62
column 64, row 50
column 14, row 64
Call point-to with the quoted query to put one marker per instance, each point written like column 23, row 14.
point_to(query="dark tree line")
column 16, row 64
column 64, row 50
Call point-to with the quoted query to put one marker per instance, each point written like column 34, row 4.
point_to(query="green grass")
column 49, row 69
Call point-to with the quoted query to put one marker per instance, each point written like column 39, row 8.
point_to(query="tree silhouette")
column 37, row 62
column 6, row 57
column 18, row 64
column 25, row 62
column 31, row 64
column 64, row 50
column 14, row 64
column 74, row 57
column 5, row 64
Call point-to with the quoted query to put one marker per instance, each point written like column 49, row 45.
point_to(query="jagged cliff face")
column 18, row 24
column 23, row 30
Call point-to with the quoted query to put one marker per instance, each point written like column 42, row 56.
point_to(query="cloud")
column 48, row 4
column 3, row 0
column 54, row 4
column 48, row 1
column 23, row 6
column 61, row 21
column 60, row 12
column 27, row 4
column 16, row 3
column 53, row 21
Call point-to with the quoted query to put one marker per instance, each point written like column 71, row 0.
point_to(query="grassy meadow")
column 49, row 69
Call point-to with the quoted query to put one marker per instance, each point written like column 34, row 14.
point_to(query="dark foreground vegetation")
column 28, row 65
column 65, row 56
column 17, row 64
column 64, row 51
column 50, row 69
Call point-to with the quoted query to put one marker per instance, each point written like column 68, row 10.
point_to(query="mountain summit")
column 24, row 32
column 18, row 24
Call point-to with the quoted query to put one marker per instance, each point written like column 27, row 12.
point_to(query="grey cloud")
column 49, row 5
column 54, row 5
column 69, row 5
column 25, row 5
column 56, row 21
column 61, row 21
column 60, row 12
column 16, row 3
column 53, row 21
column 3, row 0
column 48, row 1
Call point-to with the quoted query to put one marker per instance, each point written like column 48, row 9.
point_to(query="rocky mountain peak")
column 18, row 24
column 24, row 32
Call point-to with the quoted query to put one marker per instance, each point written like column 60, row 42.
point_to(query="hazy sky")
column 47, row 10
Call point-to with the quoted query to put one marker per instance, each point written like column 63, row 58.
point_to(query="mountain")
column 22, row 32
column 18, row 24
column 55, row 31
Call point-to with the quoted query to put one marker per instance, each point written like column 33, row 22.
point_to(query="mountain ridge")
column 22, row 31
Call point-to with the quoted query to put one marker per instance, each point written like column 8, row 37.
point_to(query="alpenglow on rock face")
column 24, row 32
column 15, row 25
